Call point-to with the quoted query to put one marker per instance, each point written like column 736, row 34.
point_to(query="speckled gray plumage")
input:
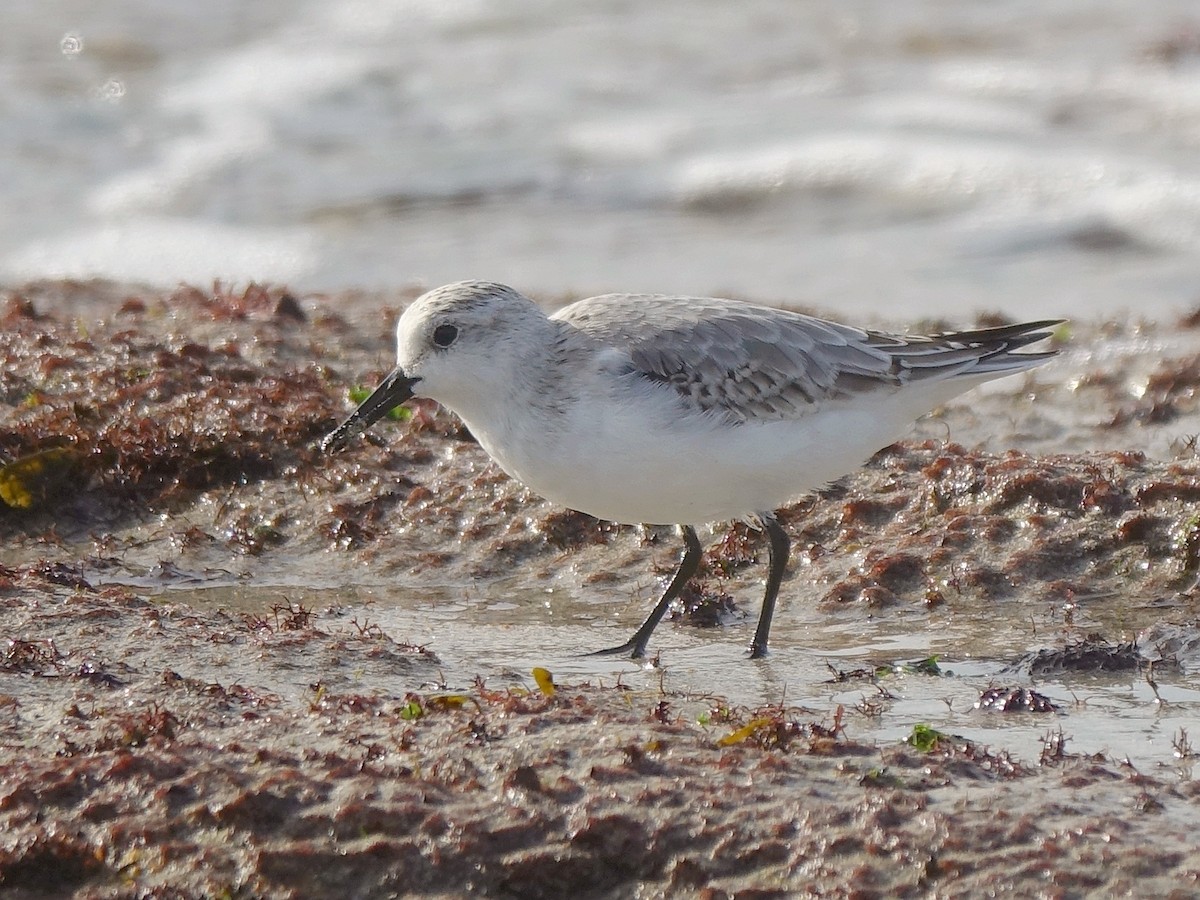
column 750, row 363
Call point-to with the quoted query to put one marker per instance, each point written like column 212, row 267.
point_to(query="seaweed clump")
column 189, row 392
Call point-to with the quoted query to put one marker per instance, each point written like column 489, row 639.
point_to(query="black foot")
column 629, row 648
column 636, row 645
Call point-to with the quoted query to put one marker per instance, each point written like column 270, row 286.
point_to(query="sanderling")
column 677, row 410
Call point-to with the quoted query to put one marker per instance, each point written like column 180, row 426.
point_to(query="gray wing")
column 752, row 363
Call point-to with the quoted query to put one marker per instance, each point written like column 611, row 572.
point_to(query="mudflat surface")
column 232, row 666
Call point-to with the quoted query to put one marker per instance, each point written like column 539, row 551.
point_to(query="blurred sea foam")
column 876, row 158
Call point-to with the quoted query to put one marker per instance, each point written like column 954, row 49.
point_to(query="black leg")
column 779, row 545
column 636, row 645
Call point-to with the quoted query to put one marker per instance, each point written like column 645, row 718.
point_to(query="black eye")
column 444, row 335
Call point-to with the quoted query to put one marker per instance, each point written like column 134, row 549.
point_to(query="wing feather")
column 750, row 363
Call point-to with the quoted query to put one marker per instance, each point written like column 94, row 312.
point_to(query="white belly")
column 635, row 463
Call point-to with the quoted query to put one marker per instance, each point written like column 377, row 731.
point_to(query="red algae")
column 516, row 792
column 157, row 748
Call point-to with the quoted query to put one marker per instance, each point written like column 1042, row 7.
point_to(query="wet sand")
column 155, row 745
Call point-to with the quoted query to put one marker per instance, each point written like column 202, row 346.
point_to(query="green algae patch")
column 925, row 738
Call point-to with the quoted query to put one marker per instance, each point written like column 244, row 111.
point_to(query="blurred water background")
column 875, row 158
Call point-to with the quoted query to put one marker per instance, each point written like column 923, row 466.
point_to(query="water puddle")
column 501, row 630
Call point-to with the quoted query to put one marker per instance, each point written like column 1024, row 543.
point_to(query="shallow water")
column 503, row 631
column 872, row 158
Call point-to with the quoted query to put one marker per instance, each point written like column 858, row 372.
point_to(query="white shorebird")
column 676, row 410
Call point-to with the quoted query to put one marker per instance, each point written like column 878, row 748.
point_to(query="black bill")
column 392, row 391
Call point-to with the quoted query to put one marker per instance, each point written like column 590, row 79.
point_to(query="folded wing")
column 748, row 363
